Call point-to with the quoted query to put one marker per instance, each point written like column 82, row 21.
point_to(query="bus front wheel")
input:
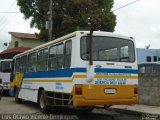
column 17, row 100
column 43, row 103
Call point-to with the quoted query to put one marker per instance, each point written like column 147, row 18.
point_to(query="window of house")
column 32, row 62
column 16, row 44
column 17, row 65
column 67, row 54
column 56, row 57
column 155, row 58
column 149, row 59
column 42, row 60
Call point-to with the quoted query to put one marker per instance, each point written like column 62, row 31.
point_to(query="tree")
column 69, row 15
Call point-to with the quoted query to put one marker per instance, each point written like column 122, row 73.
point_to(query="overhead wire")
column 10, row 19
column 11, row 8
column 125, row 5
column 4, row 25
column 6, row 15
column 9, row 12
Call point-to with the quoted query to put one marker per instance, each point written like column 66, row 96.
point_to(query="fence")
column 149, row 84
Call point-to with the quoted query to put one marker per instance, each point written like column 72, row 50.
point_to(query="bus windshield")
column 108, row 49
column 5, row 66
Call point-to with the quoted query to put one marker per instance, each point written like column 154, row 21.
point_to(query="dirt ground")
column 8, row 106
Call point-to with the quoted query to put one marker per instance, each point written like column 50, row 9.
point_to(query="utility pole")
column 50, row 20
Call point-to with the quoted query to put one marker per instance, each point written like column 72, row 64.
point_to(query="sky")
column 140, row 20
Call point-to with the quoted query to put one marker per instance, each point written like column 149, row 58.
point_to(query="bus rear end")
column 113, row 77
column 5, row 71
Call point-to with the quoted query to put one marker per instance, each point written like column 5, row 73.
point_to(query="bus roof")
column 5, row 60
column 98, row 33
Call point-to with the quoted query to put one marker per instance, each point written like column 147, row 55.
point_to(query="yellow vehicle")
column 81, row 70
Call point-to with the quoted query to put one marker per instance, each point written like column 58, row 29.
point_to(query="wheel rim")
column 42, row 101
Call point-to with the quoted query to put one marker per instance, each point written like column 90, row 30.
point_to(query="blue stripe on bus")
column 54, row 73
column 110, row 70
column 69, row 72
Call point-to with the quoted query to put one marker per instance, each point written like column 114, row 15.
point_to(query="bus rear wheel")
column 17, row 100
column 43, row 103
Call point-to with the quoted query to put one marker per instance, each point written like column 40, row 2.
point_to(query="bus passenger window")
column 23, row 67
column 6, row 66
column 67, row 54
column 59, row 56
column 0, row 66
column 56, row 57
column 32, row 61
column 52, row 58
column 17, row 65
column 42, row 60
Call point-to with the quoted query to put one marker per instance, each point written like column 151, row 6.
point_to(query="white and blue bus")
column 59, row 72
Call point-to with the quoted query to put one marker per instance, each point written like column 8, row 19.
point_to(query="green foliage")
column 69, row 15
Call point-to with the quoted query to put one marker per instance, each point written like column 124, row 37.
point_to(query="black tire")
column 17, row 100
column 43, row 103
column 85, row 109
column 107, row 107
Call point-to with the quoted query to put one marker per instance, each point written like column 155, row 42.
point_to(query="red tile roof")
column 14, row 50
column 23, row 35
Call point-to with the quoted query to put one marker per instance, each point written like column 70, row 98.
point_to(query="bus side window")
column 32, row 61
column 0, row 66
column 12, row 71
column 23, row 67
column 59, row 56
column 52, row 58
column 55, row 57
column 17, row 65
column 42, row 60
column 67, row 54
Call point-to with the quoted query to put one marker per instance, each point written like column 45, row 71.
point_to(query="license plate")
column 110, row 91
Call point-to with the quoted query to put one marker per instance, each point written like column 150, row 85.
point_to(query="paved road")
column 7, row 106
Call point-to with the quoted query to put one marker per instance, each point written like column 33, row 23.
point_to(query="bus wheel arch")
column 42, row 101
column 39, row 92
